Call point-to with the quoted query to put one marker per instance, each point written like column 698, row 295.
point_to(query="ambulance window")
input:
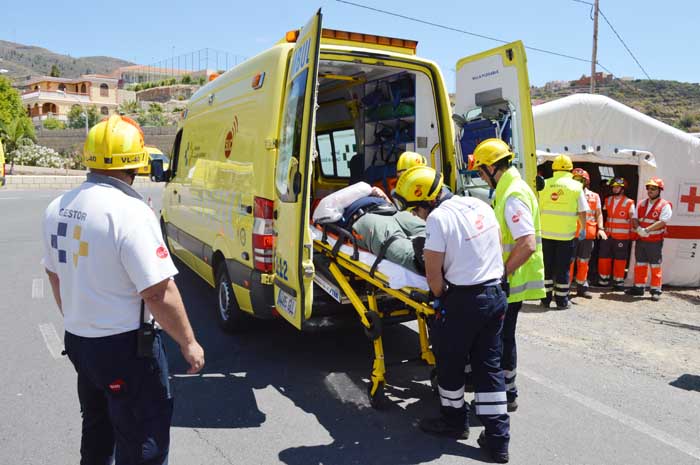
column 290, row 143
column 335, row 149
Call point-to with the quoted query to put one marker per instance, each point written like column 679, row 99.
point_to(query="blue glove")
column 582, row 235
column 436, row 304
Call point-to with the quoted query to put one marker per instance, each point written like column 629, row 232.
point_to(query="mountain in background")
column 675, row 103
column 24, row 60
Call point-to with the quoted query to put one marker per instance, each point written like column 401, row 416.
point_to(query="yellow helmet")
column 416, row 186
column 489, row 152
column 409, row 160
column 562, row 163
column 115, row 143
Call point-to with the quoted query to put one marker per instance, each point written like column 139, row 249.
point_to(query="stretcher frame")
column 371, row 316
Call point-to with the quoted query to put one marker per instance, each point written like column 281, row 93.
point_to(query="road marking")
column 610, row 412
column 213, row 375
column 37, row 288
column 51, row 339
column 10, row 198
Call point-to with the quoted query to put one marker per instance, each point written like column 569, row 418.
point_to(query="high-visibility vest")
column 648, row 216
column 618, row 224
column 591, row 222
column 526, row 282
column 559, row 206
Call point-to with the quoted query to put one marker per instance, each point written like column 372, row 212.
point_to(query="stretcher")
column 349, row 263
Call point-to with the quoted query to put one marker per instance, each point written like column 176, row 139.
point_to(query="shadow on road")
column 687, row 382
column 675, row 324
column 324, row 374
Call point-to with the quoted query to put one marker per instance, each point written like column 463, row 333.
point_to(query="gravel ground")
column 658, row 339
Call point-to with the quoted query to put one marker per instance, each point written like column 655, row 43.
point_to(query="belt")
column 473, row 287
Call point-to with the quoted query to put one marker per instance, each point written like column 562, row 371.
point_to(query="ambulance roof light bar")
column 369, row 39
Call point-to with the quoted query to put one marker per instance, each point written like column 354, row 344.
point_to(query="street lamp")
column 65, row 94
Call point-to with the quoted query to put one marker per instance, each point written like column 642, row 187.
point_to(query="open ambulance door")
column 493, row 100
column 293, row 261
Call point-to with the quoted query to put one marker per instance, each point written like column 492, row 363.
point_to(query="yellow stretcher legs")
column 371, row 319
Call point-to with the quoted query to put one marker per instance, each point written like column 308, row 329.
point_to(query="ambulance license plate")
column 286, row 302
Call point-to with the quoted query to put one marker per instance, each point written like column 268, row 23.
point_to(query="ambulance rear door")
column 493, row 100
column 293, row 261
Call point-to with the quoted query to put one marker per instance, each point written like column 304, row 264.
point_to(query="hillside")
column 23, row 60
column 675, row 103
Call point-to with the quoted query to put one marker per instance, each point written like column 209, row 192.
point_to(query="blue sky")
column 663, row 35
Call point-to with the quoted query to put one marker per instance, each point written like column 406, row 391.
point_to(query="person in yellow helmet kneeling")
column 109, row 272
column 518, row 215
column 464, row 267
column 562, row 204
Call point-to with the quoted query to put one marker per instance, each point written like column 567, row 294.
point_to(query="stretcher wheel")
column 378, row 400
column 374, row 331
column 231, row 317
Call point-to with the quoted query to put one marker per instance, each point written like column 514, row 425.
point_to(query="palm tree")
column 16, row 133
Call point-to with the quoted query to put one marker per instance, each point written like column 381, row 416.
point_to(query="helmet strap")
column 490, row 175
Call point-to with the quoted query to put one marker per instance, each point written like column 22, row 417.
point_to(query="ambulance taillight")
column 263, row 234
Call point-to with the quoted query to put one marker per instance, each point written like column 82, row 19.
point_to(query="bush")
column 36, row 155
column 186, row 79
column 52, row 124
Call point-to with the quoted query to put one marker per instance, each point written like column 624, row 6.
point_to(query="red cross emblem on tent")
column 692, row 198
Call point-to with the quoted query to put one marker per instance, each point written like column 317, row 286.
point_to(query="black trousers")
column 125, row 401
column 509, row 360
column 557, row 258
column 468, row 325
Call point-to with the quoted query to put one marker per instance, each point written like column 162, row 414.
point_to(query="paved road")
column 274, row 395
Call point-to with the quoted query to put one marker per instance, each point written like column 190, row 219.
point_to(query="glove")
column 642, row 232
column 582, row 235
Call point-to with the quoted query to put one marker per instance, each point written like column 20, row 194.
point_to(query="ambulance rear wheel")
column 230, row 316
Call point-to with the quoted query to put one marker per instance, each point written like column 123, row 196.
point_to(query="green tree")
column 52, row 124
column 76, row 117
column 17, row 133
column 10, row 102
column 55, row 72
column 129, row 107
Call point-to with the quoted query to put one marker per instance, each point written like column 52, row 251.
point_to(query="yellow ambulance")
column 259, row 146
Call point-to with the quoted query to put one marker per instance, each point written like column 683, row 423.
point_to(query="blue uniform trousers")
column 468, row 326
column 509, row 360
column 125, row 401
column 557, row 258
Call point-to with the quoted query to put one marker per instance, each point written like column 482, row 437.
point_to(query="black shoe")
column 439, row 427
column 584, row 292
column 655, row 296
column 512, row 406
column 545, row 303
column 565, row 306
column 635, row 291
column 498, row 457
column 618, row 287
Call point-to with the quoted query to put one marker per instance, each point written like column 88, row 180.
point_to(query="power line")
column 619, row 38
column 462, row 31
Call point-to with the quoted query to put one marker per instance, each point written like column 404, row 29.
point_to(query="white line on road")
column 51, row 339
column 10, row 198
column 37, row 288
column 610, row 412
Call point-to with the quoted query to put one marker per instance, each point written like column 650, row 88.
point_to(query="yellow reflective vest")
column 526, row 282
column 559, row 206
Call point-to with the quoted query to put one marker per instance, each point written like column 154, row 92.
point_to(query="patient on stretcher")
column 378, row 227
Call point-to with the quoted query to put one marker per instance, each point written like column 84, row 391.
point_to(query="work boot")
column 545, row 303
column 439, row 427
column 498, row 457
column 583, row 291
column 512, row 406
column 655, row 295
column 635, row 291
column 564, row 306
column 618, row 286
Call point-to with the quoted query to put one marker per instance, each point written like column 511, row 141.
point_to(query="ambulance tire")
column 231, row 317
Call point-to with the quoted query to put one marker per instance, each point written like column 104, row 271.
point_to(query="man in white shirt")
column 105, row 257
column 464, row 269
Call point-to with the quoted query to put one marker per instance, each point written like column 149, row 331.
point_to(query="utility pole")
column 595, row 45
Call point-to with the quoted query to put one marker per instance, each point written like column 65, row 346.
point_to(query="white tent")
column 597, row 129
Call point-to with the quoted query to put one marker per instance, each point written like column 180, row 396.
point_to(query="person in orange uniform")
column 614, row 251
column 653, row 214
column 594, row 229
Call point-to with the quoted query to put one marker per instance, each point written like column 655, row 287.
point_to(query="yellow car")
column 155, row 154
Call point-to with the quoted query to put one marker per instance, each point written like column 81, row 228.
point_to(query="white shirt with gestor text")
column 106, row 247
column 465, row 229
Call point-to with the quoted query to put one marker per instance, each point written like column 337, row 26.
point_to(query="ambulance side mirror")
column 157, row 173
column 539, row 183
